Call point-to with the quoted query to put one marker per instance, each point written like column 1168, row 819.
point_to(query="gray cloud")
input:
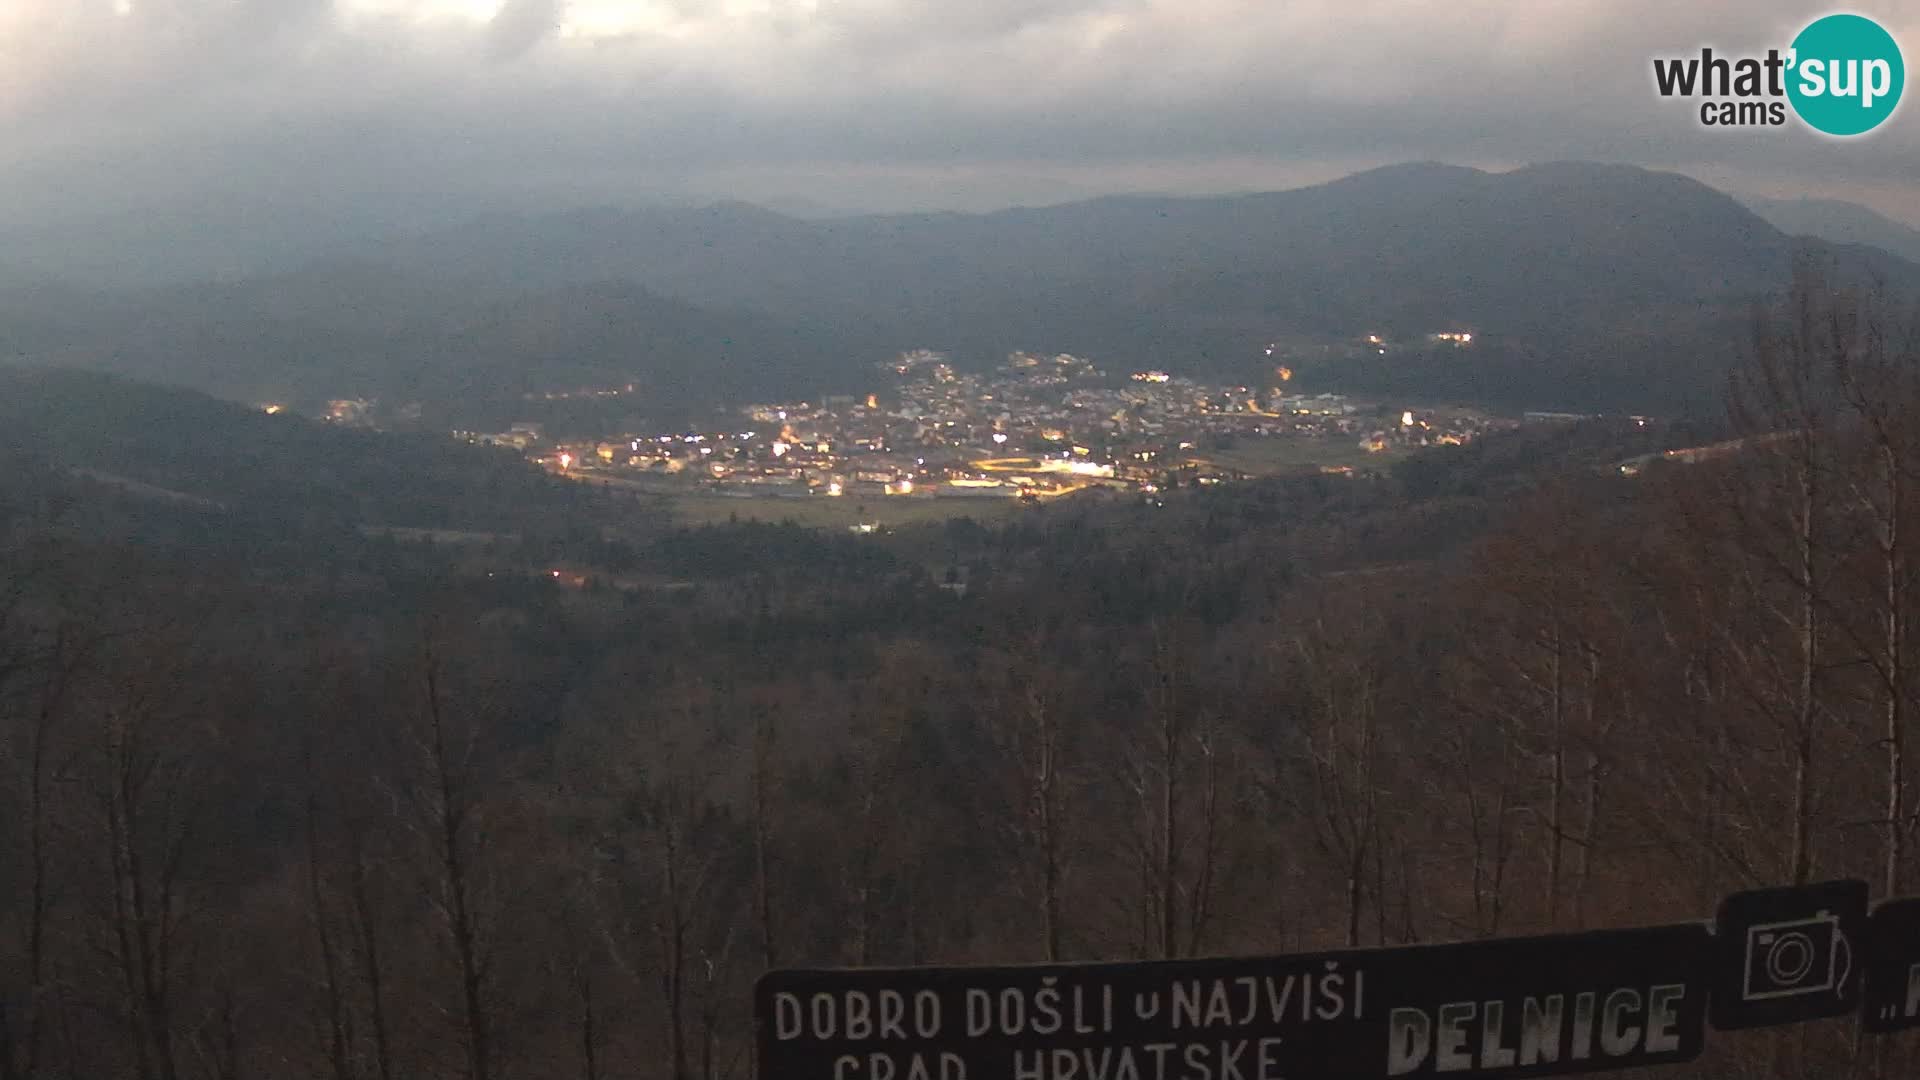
column 520, row 25
column 311, row 106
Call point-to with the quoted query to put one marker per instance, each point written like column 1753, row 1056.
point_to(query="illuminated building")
column 348, row 410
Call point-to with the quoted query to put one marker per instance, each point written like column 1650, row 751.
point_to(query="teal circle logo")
column 1846, row 75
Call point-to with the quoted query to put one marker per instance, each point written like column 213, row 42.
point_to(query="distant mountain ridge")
column 737, row 254
column 1635, row 285
column 1596, row 286
column 366, row 329
column 1839, row 222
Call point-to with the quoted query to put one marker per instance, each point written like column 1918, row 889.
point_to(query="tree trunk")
column 763, row 838
column 674, row 947
column 1556, row 720
column 1590, row 803
column 1199, row 905
column 863, row 907
column 38, row 854
column 589, row 1049
column 143, row 915
column 1046, row 785
column 456, row 888
column 1896, row 649
column 323, row 940
column 1501, row 844
column 371, row 969
column 1168, row 822
column 1806, row 735
column 1589, row 832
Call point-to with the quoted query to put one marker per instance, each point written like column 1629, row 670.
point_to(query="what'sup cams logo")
column 1842, row 76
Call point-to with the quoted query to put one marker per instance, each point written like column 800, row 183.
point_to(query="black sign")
column 1508, row 1008
column 1783, row 956
column 1893, row 967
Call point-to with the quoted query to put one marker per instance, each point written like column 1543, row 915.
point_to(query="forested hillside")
column 415, row 817
column 245, row 469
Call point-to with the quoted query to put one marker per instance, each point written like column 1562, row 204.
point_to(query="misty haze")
column 992, row 540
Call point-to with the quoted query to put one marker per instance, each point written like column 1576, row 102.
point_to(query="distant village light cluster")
column 1036, row 427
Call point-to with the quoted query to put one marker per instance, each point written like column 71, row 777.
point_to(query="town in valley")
column 1034, row 428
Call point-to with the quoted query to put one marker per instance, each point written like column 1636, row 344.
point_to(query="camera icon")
column 1797, row 958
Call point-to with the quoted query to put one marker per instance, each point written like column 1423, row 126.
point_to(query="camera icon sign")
column 1796, row 958
column 1789, row 954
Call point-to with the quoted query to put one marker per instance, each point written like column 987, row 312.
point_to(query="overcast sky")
column 218, row 109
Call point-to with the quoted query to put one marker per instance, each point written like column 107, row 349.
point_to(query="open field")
column 836, row 513
column 1264, row 457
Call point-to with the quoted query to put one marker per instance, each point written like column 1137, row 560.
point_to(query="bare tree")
column 445, row 807
column 1341, row 756
column 765, row 740
column 655, row 902
column 1025, row 724
column 332, row 986
column 1878, row 377
column 145, row 801
column 1156, row 775
column 1781, row 403
column 366, row 928
column 57, row 665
